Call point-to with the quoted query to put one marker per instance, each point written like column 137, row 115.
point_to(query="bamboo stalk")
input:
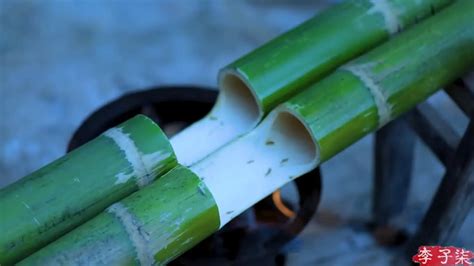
column 155, row 224
column 372, row 90
column 164, row 220
column 60, row 196
column 293, row 61
column 254, row 84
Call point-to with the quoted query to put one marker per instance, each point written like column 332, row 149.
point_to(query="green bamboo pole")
column 60, row 196
column 254, row 84
column 155, row 224
column 289, row 63
column 372, row 90
column 160, row 222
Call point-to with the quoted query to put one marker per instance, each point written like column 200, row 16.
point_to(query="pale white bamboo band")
column 383, row 109
column 140, row 170
column 136, row 234
column 389, row 14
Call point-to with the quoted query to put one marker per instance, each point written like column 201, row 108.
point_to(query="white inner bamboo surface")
column 250, row 168
column 236, row 112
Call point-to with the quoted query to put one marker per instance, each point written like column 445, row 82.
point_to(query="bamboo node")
column 134, row 157
column 389, row 14
column 135, row 232
column 383, row 108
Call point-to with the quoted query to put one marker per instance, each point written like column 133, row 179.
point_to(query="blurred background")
column 61, row 60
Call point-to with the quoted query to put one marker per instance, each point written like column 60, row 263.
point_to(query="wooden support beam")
column 394, row 145
column 434, row 131
column 462, row 96
column 453, row 200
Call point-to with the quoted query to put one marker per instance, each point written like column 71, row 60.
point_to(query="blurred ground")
column 60, row 60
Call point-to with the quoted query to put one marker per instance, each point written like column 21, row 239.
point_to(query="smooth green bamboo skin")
column 291, row 62
column 64, row 194
column 153, row 225
column 342, row 108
